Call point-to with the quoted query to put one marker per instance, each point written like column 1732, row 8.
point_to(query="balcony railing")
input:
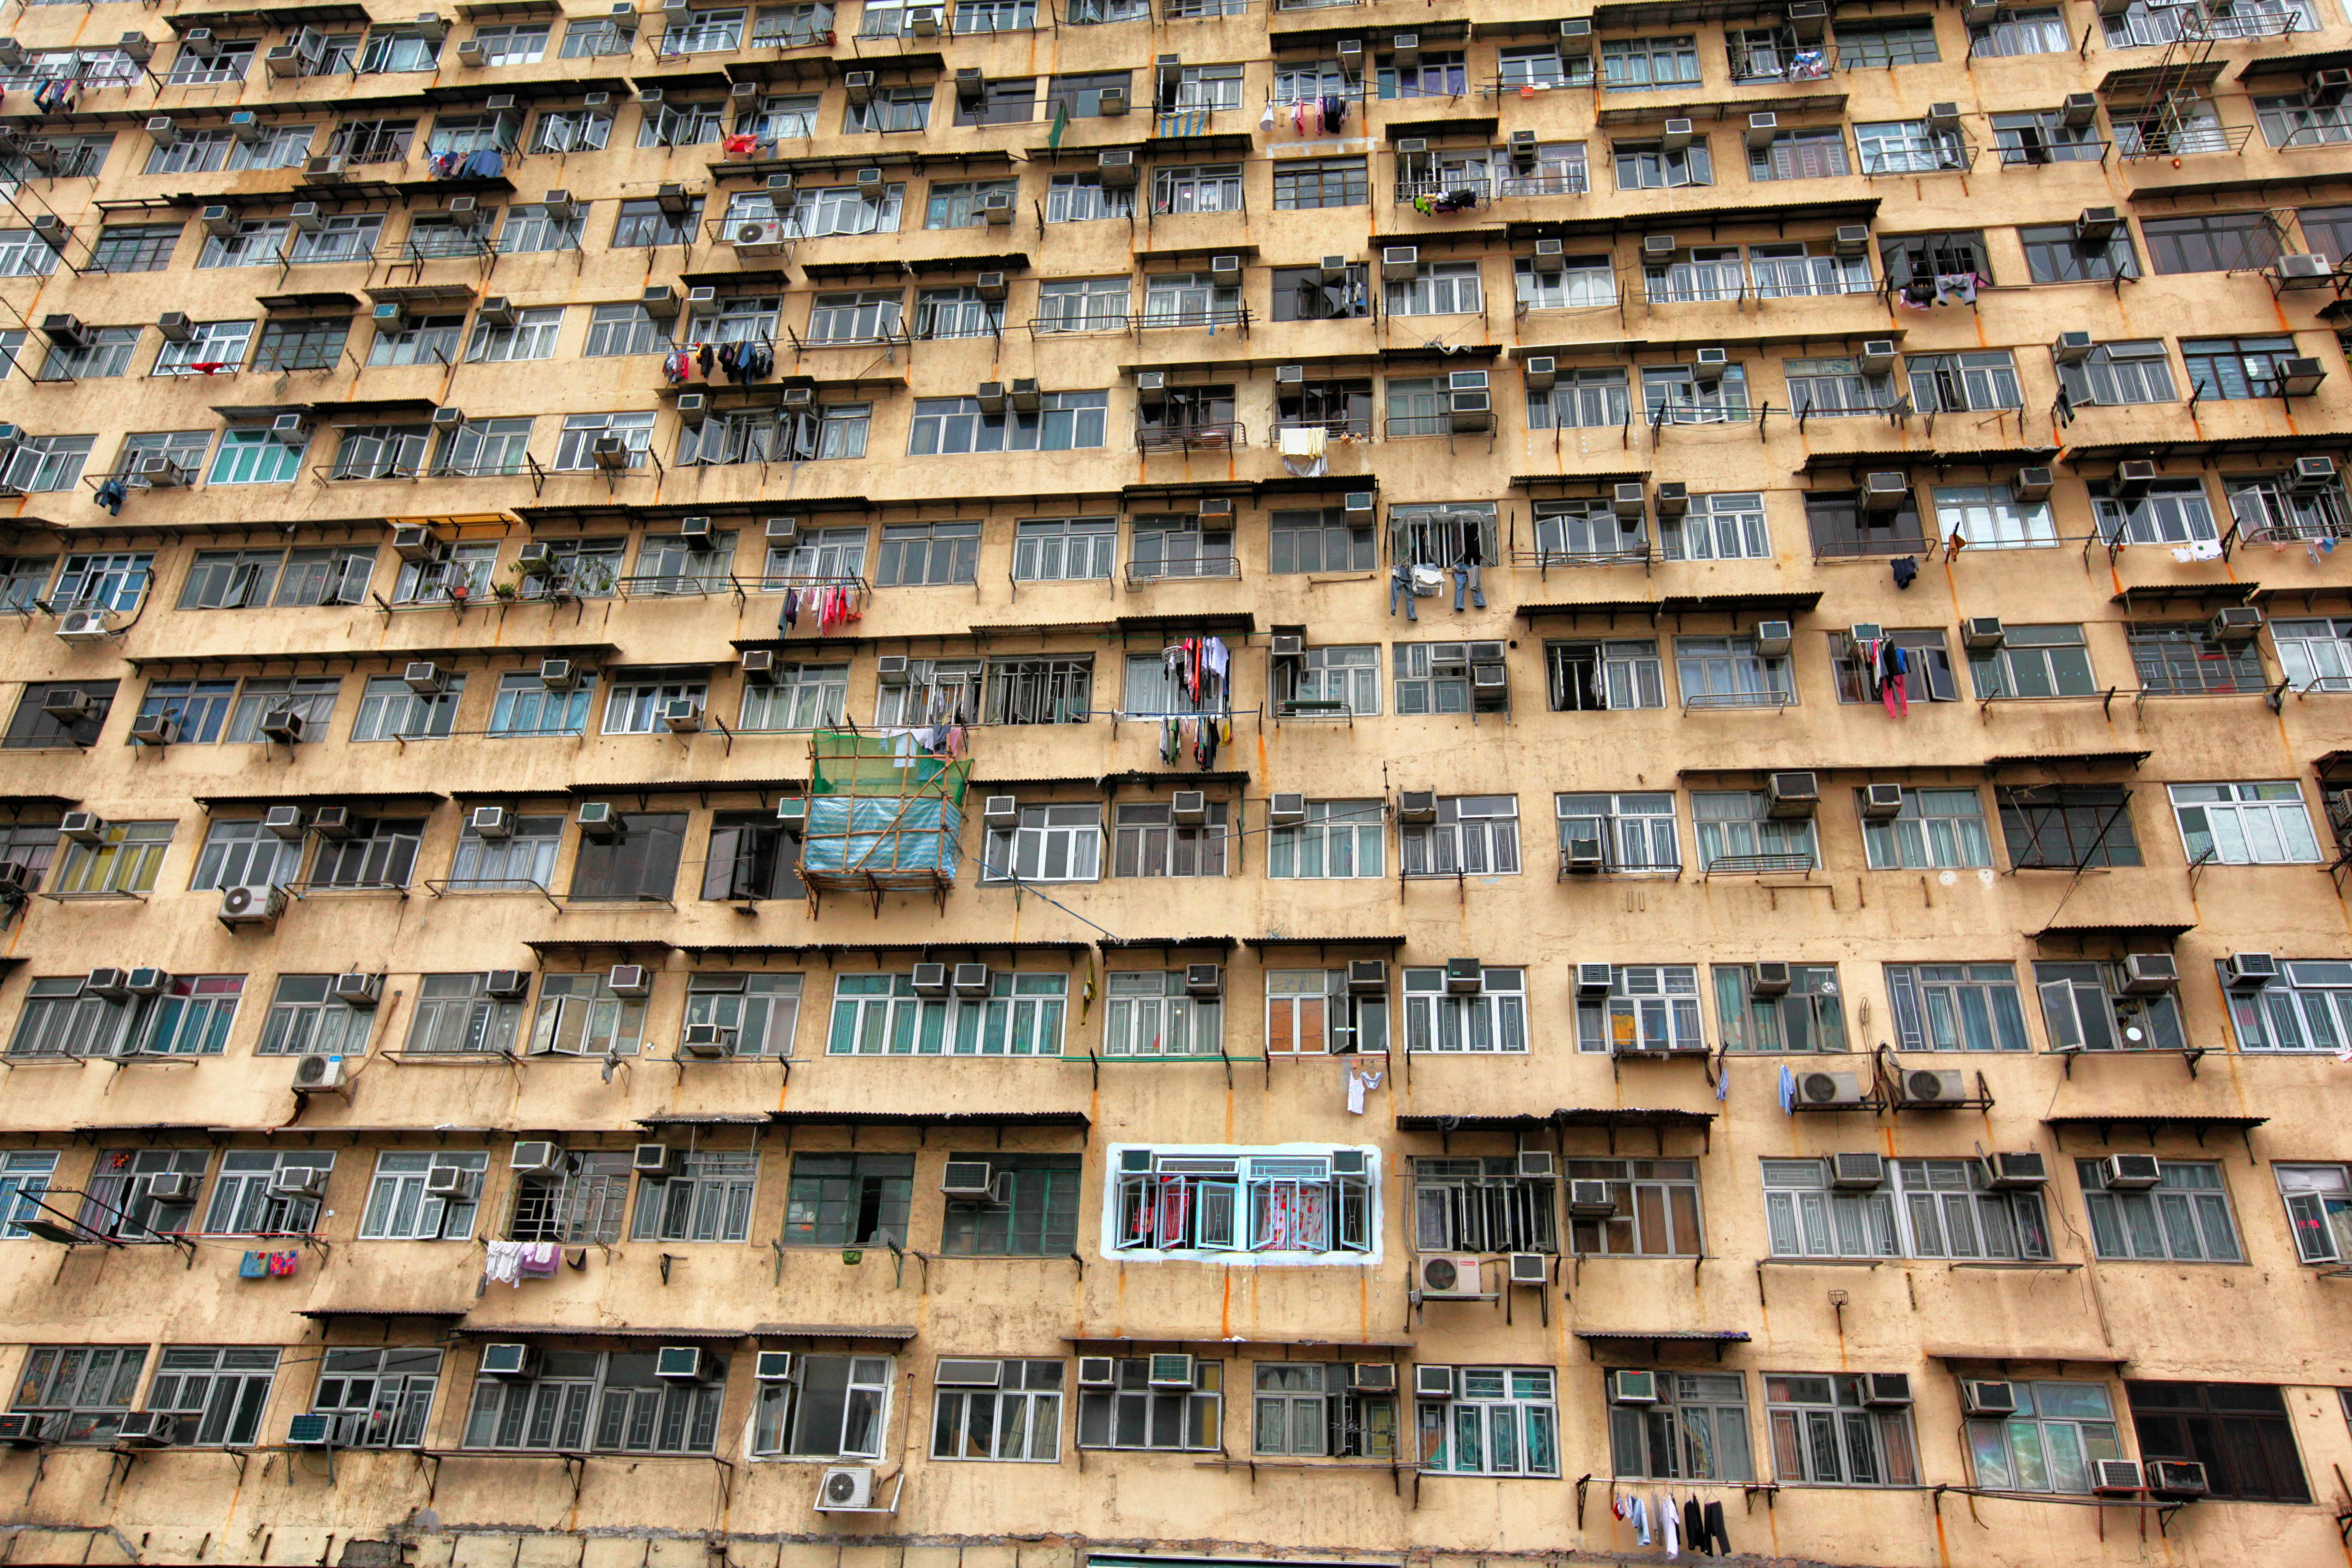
column 1744, row 701
column 1762, row 865
column 1142, row 573
column 1339, row 427
column 1211, row 316
column 1217, row 434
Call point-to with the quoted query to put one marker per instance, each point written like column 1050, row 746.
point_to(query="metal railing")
column 1338, row 426
column 1142, row 573
column 1219, row 434
column 1791, row 60
column 1214, row 316
column 2136, row 142
column 2042, row 154
column 1739, row 700
column 1761, row 865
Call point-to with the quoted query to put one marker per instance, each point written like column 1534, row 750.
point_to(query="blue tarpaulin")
column 854, row 833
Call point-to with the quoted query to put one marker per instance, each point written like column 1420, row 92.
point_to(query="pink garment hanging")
column 1896, row 697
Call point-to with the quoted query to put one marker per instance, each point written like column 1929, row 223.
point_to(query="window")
column 1033, row 1211
column 2085, row 1006
column 2235, row 368
column 1646, row 63
column 119, row 1202
column 463, row 570
column 254, row 243
column 1438, row 289
column 1311, row 1013
column 1077, row 198
column 639, row 863
column 455, row 1014
column 2318, row 1210
column 1300, row 183
column 192, row 152
column 1934, row 829
column 1482, row 1206
column 380, row 854
column 2039, row 31
column 1492, row 1020
column 389, row 710
column 2067, row 827
column 2184, row 1218
column 305, row 1019
column 753, row 856
column 1727, row 672
column 131, row 248
column 615, row 329
column 1537, row 65
column 1727, row 527
column 516, row 43
column 848, row 1200
column 1217, row 1199
column 1136, row 1414
column 1082, row 305
column 2269, row 510
column 1008, row 1410
column 938, row 692
column 876, row 1015
column 1955, row 382
column 80, row 1391
column 837, row 1408
column 1181, row 548
column 1697, row 1430
column 483, row 449
column 48, row 463
column 1338, row 839
column 1473, row 835
column 640, row 698
column 2185, row 659
column 1057, row 550
column 124, row 861
column 1809, row 1019
column 1956, row 1006
column 579, row 1202
column 352, row 236
column 1835, row 389
column 1673, row 394
column 1320, row 541
column 382, row 1398
column 1050, row 843
column 254, row 457
column 903, row 108
column 2059, row 1433
column 2245, row 824
column 642, row 224
column 1150, row 842
column 1346, row 678
column 1432, row 677
column 1500, row 1421
column 1063, row 421
column 1632, row 832
column 698, row 32
column 59, row 1018
column 2034, row 662
column 2308, row 1007
column 2055, row 255
column 1153, row 692
column 530, row 336
column 217, row 1393
column 303, row 343
column 1650, row 1008
column 1820, row 154
column 1657, row 1212
column 245, row 1204
column 1302, row 294
column 2240, row 1431
column 34, row 727
column 398, row 50
column 756, row 1014
column 1039, row 691
column 1907, row 41
column 821, row 556
column 816, row 212
column 707, row 1199
column 801, row 696
column 24, row 1178
column 526, row 706
column 586, row 38
column 925, row 554
column 2212, row 242
column 1151, row 1013
column 2314, row 655
column 1306, row 1408
column 1825, row 1434
column 359, row 142
column 240, row 852
column 104, row 352
column 636, row 1411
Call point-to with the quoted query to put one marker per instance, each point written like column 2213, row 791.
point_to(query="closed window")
column 1697, row 1431
column 80, row 1392
column 2086, row 1007
column 1822, row 154
column 2185, row 1217
column 1806, row 1019
column 1904, row 41
column 1039, row 691
column 1835, row 388
column 1629, row 832
column 1438, row 289
column 1007, row 1410
column 891, row 109
column 1656, row 1214
column 2240, row 1432
column 124, row 860
column 2185, row 659
column 1728, row 672
column 1825, row 1433
column 638, row 705
column 1150, row 841
column 608, row 1402
column 2245, row 824
column 240, row 851
column 455, row 1013
column 800, row 696
column 1343, row 679
column 1032, row 1210
column 882, row 1015
column 307, row 1020
column 1059, row 550
column 1047, row 843
column 1645, row 63
column 1990, row 516
column 1336, row 838
column 706, row 1197
column 1300, row 183
column 1143, row 1412
column 2212, row 242
column 2053, row 254
column 217, row 1393
column 1083, row 304
column 1725, row 527
column 389, row 710
column 1934, row 829
column 2236, row 369
column 1080, row 198
column 1489, row 1021
column 526, row 706
column 2039, row 31
column 1956, row 1006
column 131, row 248
column 1649, row 1008
column 380, row 1399
column 2034, row 662
column 577, row 1203
column 245, row 1201
column 1500, row 1421
column 2308, row 1007
column 615, row 329
column 1322, row 541
column 2053, row 1443
column 24, row 1178
column 756, row 1015
column 1063, row 422
column 1473, row 835
column 1152, row 1013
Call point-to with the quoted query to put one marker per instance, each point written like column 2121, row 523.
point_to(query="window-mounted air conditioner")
column 1882, row 802
column 1792, row 794
column 2150, row 974
column 1464, row 977
column 2023, row 1169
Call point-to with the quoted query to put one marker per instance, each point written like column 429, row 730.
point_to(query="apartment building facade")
column 1094, row 782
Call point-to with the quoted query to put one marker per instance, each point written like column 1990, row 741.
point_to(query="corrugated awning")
column 322, row 1314
column 1126, row 943
column 1594, row 1116
column 1077, row 1119
column 2164, row 930
column 1264, row 943
column 2166, row 595
column 474, row 1330
column 1740, row 604
column 706, row 1119
column 901, row 1332
column 2105, row 1355
column 1657, row 1336
column 1178, row 1336
column 2189, row 1121
column 2067, row 758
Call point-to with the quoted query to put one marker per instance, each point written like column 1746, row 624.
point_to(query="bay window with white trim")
column 1295, row 1199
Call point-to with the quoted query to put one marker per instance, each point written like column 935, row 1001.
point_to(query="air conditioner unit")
column 2133, row 476
column 1168, row 1370
column 1877, row 356
column 423, row 678
column 1367, row 977
column 989, row 395
column 1593, row 980
column 2130, row 1172
column 218, row 220
column 251, row 905
column 1591, row 1198
column 2032, row 484
column 1204, row 979
column 683, row 714
column 652, row 1159
column 2249, row 971
column 174, row 1187
column 693, row 407
column 83, row 828
column 705, row 1041
column 414, row 541
column 968, row 1181
column 83, row 626
column 470, row 52
column 508, row 1360
column 1473, row 411
column 332, row 822
column 2115, row 1477
column 1882, row 802
column 1189, row 806
column 1449, row 1276
column 1464, row 977
column 659, row 301
column 1400, row 262
column 1001, row 810
column 283, row 726
column 1217, row 507
column 1792, row 794
column 1097, row 1372
column 66, row 705
column 2313, row 473
column 845, row 1488
column 156, row 730
column 1530, row 1268
column 1675, row 135
column 758, row 666
column 629, row 980
column 2097, row 226
column 930, row 980
column 970, row 981
column 299, row 1181
column 1541, row 370
column 2177, row 1477
column 2150, row 974
column 1417, row 805
column 1929, row 1086
column 598, row 822
column 1658, row 246
column 1286, row 811
column 2025, row 1168
column 1858, row 1171
column 65, row 329
column 2301, row 267
column 506, row 985
column 1885, row 1388
column 324, row 169
column 1762, row 129
column 1851, row 239
column 145, row 1430
column 1828, row 1090
column 1629, row 1387
column 357, row 990
column 2235, row 625
column 283, row 61
column 1772, row 638
column 534, row 1156
column 891, row 669
column 21, row 1429
column 557, row 674
column 162, row 132
column 490, row 822
column 1116, row 169
column 1987, row 1397
column 1944, row 115
column 450, row 1182
column 1885, row 492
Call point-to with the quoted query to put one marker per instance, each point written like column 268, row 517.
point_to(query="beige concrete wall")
column 2269, row 1319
